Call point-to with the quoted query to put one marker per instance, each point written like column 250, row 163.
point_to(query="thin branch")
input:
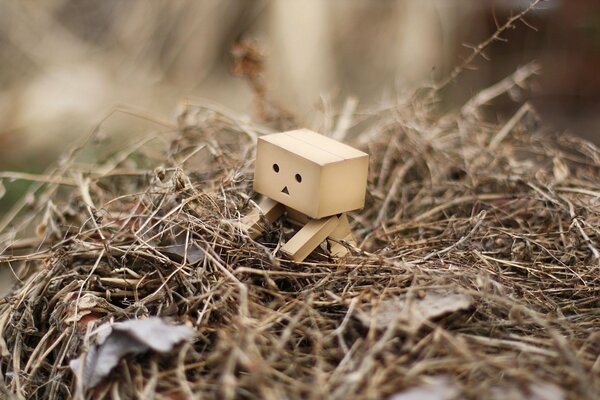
column 478, row 50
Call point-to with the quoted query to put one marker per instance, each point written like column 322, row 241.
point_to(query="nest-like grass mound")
column 506, row 215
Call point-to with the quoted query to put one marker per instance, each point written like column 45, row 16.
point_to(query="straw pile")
column 476, row 274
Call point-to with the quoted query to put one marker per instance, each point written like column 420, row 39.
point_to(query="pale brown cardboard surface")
column 333, row 175
column 309, row 237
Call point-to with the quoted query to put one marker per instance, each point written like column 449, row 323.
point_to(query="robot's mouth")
column 285, row 190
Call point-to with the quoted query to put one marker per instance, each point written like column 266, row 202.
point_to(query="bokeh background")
column 65, row 63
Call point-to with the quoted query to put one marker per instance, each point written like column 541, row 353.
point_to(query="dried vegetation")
column 503, row 217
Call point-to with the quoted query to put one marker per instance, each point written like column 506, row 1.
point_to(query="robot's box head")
column 311, row 173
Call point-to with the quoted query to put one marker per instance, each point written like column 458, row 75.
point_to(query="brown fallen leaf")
column 178, row 245
column 123, row 338
column 81, row 310
column 411, row 313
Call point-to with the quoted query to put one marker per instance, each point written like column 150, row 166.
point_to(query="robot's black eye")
column 275, row 167
column 298, row 178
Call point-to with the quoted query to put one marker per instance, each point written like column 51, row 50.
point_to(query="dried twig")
column 480, row 48
column 519, row 78
column 479, row 219
column 509, row 126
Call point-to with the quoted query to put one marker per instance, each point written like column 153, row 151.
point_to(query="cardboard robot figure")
column 313, row 180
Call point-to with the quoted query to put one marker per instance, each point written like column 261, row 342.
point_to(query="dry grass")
column 504, row 214
column 507, row 215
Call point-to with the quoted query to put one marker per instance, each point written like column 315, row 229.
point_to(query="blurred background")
column 65, row 63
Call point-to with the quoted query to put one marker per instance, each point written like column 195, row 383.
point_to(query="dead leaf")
column 411, row 313
column 193, row 253
column 83, row 307
column 178, row 244
column 123, row 338
column 86, row 309
column 440, row 388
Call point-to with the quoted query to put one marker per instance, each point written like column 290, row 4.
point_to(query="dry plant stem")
column 586, row 239
column 388, row 159
column 519, row 78
column 478, row 220
column 22, row 244
column 460, row 200
column 345, row 120
column 393, row 191
column 479, row 49
column 36, row 178
column 509, row 126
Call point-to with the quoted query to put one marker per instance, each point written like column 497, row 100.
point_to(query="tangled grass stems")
column 153, row 232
